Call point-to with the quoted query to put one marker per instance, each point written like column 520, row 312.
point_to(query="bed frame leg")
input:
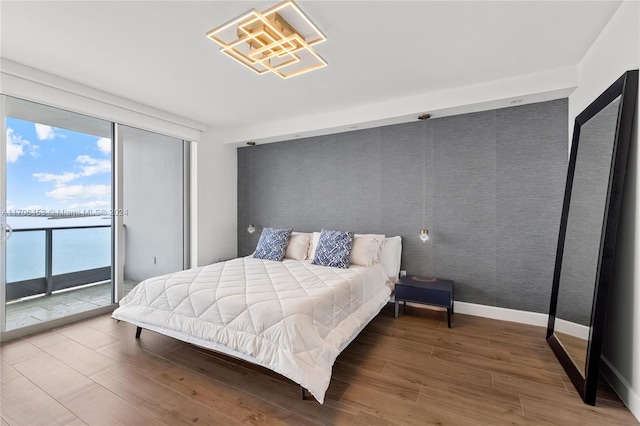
column 302, row 392
column 138, row 331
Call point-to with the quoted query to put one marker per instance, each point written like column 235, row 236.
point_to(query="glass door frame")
column 117, row 221
column 5, row 333
column 3, row 218
column 186, row 203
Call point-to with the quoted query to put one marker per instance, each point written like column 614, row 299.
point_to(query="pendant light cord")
column 424, row 174
column 251, row 185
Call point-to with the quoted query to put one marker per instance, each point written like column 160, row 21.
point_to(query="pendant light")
column 251, row 228
column 424, row 232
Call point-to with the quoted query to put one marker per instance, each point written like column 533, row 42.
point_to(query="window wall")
column 61, row 173
column 58, row 183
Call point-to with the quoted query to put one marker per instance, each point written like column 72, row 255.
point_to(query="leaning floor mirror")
column 588, row 227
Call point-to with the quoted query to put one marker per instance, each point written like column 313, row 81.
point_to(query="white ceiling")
column 156, row 53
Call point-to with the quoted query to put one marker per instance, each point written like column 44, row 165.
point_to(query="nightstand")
column 429, row 291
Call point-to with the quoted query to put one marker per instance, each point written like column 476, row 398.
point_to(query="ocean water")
column 73, row 249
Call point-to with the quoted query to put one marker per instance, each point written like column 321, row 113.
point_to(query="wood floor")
column 407, row 371
column 576, row 348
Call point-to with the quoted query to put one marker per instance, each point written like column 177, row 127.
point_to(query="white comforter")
column 292, row 317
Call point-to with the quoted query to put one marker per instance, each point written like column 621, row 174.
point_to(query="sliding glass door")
column 90, row 208
column 57, row 205
column 153, row 200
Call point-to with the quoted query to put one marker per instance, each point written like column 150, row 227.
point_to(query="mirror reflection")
column 584, row 232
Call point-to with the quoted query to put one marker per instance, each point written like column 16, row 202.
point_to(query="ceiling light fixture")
column 277, row 40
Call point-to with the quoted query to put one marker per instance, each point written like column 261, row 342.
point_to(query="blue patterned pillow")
column 272, row 244
column 334, row 248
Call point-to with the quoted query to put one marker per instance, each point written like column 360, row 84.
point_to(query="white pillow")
column 298, row 248
column 390, row 257
column 366, row 249
column 315, row 237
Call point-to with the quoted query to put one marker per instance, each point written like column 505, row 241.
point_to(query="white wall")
column 216, row 202
column 39, row 86
column 529, row 88
column 615, row 51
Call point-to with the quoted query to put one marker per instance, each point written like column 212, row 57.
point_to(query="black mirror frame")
column 627, row 87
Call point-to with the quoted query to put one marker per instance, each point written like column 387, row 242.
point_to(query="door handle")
column 5, row 232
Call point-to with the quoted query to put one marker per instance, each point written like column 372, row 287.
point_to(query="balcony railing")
column 61, row 277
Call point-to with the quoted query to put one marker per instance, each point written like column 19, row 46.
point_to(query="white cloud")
column 33, row 207
column 60, row 180
column 16, row 146
column 86, row 159
column 93, row 165
column 14, row 151
column 97, row 204
column 94, row 204
column 35, row 151
column 89, row 165
column 44, row 132
column 104, row 145
column 80, row 192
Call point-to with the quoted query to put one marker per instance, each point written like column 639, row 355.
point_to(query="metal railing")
column 50, row 282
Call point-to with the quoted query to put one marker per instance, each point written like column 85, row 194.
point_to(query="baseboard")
column 513, row 315
column 504, row 314
column 621, row 387
column 571, row 328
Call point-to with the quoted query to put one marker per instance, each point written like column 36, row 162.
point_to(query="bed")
column 293, row 317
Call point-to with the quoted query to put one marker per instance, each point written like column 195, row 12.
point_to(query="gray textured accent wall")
column 494, row 183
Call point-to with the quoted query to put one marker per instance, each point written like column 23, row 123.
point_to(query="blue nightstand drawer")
column 430, row 291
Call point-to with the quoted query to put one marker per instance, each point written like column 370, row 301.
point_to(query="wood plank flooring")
column 576, row 348
column 407, row 371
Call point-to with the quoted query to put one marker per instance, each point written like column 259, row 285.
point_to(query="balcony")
column 54, row 272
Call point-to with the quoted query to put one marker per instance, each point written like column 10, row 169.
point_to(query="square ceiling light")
column 277, row 40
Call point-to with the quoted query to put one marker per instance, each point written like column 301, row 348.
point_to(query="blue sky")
column 56, row 169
